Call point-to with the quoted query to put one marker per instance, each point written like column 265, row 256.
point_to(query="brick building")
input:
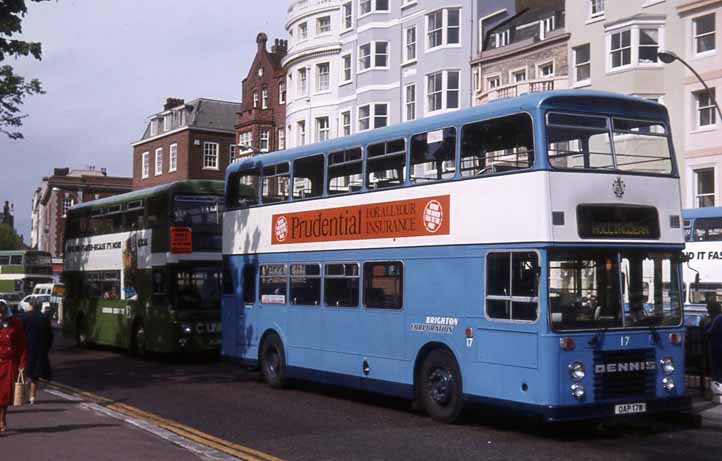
column 193, row 140
column 261, row 121
column 57, row 193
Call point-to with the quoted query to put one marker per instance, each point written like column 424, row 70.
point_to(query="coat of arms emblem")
column 618, row 187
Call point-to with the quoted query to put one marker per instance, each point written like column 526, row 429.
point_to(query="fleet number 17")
column 624, row 341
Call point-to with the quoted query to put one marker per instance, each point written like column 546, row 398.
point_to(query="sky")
column 109, row 64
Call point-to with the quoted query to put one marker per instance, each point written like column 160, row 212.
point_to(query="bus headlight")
column 668, row 365
column 668, row 384
column 576, row 371
column 185, row 328
column 578, row 391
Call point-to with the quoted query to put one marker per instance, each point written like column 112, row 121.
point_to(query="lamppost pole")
column 668, row 57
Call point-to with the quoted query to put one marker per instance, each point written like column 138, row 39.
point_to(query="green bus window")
column 249, row 284
column 159, row 287
column 273, row 280
column 308, row 177
column 110, row 285
column 275, row 183
column 157, row 211
column 386, row 164
column 383, row 285
column 512, row 286
column 497, row 145
column 306, row 284
column 341, row 285
column 16, row 260
column 344, row 171
column 433, row 155
column 4, row 260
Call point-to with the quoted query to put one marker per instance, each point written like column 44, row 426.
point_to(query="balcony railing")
column 517, row 89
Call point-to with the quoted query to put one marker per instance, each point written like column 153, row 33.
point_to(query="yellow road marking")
column 238, row 451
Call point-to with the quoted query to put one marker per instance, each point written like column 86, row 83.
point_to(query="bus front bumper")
column 607, row 410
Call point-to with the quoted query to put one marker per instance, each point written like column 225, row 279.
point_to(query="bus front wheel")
column 273, row 362
column 439, row 386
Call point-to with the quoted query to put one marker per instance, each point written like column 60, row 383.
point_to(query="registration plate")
column 630, row 408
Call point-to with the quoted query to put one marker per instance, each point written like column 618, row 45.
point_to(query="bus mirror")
column 696, row 279
column 684, row 258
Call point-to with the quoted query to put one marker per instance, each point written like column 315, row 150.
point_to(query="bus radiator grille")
column 617, row 384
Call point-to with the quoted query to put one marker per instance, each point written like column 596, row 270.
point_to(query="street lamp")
column 669, row 57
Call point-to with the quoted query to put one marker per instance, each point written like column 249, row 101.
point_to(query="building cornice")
column 550, row 41
column 311, row 53
column 691, row 6
column 178, row 130
column 309, row 12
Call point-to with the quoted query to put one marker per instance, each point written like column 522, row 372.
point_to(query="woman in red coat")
column 12, row 357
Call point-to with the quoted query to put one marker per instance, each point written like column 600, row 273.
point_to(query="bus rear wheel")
column 439, row 386
column 273, row 362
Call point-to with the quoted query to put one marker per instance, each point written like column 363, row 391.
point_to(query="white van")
column 56, row 292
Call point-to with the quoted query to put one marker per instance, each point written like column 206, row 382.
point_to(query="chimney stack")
column 280, row 47
column 170, row 103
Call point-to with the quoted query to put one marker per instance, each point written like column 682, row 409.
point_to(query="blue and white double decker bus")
column 525, row 253
column 703, row 270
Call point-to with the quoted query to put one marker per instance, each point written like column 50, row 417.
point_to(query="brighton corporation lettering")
column 403, row 218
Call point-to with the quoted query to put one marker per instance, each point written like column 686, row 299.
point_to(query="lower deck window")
column 273, row 283
column 341, row 282
column 306, row 284
column 383, row 285
column 512, row 288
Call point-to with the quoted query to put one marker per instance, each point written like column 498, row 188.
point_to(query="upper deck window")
column 275, row 183
column 386, row 164
column 344, row 171
column 497, row 145
column 433, row 155
column 600, row 143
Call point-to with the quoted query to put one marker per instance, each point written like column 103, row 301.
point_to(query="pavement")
column 59, row 429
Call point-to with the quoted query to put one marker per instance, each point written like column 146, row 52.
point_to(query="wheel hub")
column 438, row 384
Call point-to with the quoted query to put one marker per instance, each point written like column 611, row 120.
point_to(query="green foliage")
column 14, row 88
column 9, row 240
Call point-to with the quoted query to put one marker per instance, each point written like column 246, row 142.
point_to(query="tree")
column 9, row 240
column 15, row 88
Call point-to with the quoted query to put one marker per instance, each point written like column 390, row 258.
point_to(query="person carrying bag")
column 22, row 390
column 12, row 358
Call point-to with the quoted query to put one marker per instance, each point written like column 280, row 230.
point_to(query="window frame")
column 324, row 299
column 319, row 130
column 409, row 104
column 710, row 107
column 578, row 64
column 635, row 29
column 259, row 297
column 346, row 71
column 363, row 290
column 695, row 185
column 173, row 158
column 444, row 92
column 206, row 145
column 511, row 298
column 320, row 26
column 323, row 80
column 145, row 165
column 696, row 36
column 158, row 161
column 346, row 16
column 319, row 277
column 600, row 13
column 408, row 45
column 373, row 56
column 443, row 29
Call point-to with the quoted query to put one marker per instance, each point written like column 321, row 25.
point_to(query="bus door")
column 243, row 309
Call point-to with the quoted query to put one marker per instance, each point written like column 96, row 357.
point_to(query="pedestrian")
column 713, row 331
column 39, row 334
column 12, row 357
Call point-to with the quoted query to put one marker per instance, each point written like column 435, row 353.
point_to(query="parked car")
column 26, row 306
column 12, row 299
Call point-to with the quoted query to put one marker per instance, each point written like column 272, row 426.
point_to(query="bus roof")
column 187, row 187
column 602, row 102
column 707, row 212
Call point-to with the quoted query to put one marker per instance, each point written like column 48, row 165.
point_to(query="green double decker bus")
column 143, row 269
column 21, row 270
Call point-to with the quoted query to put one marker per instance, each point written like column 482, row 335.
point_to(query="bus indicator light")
column 567, row 343
column 675, row 339
column 469, row 332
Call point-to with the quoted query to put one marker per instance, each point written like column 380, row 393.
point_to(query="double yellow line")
column 224, row 446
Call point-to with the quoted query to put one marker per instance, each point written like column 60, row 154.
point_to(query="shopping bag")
column 22, row 390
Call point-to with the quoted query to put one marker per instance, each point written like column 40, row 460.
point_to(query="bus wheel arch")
column 272, row 359
column 438, row 384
